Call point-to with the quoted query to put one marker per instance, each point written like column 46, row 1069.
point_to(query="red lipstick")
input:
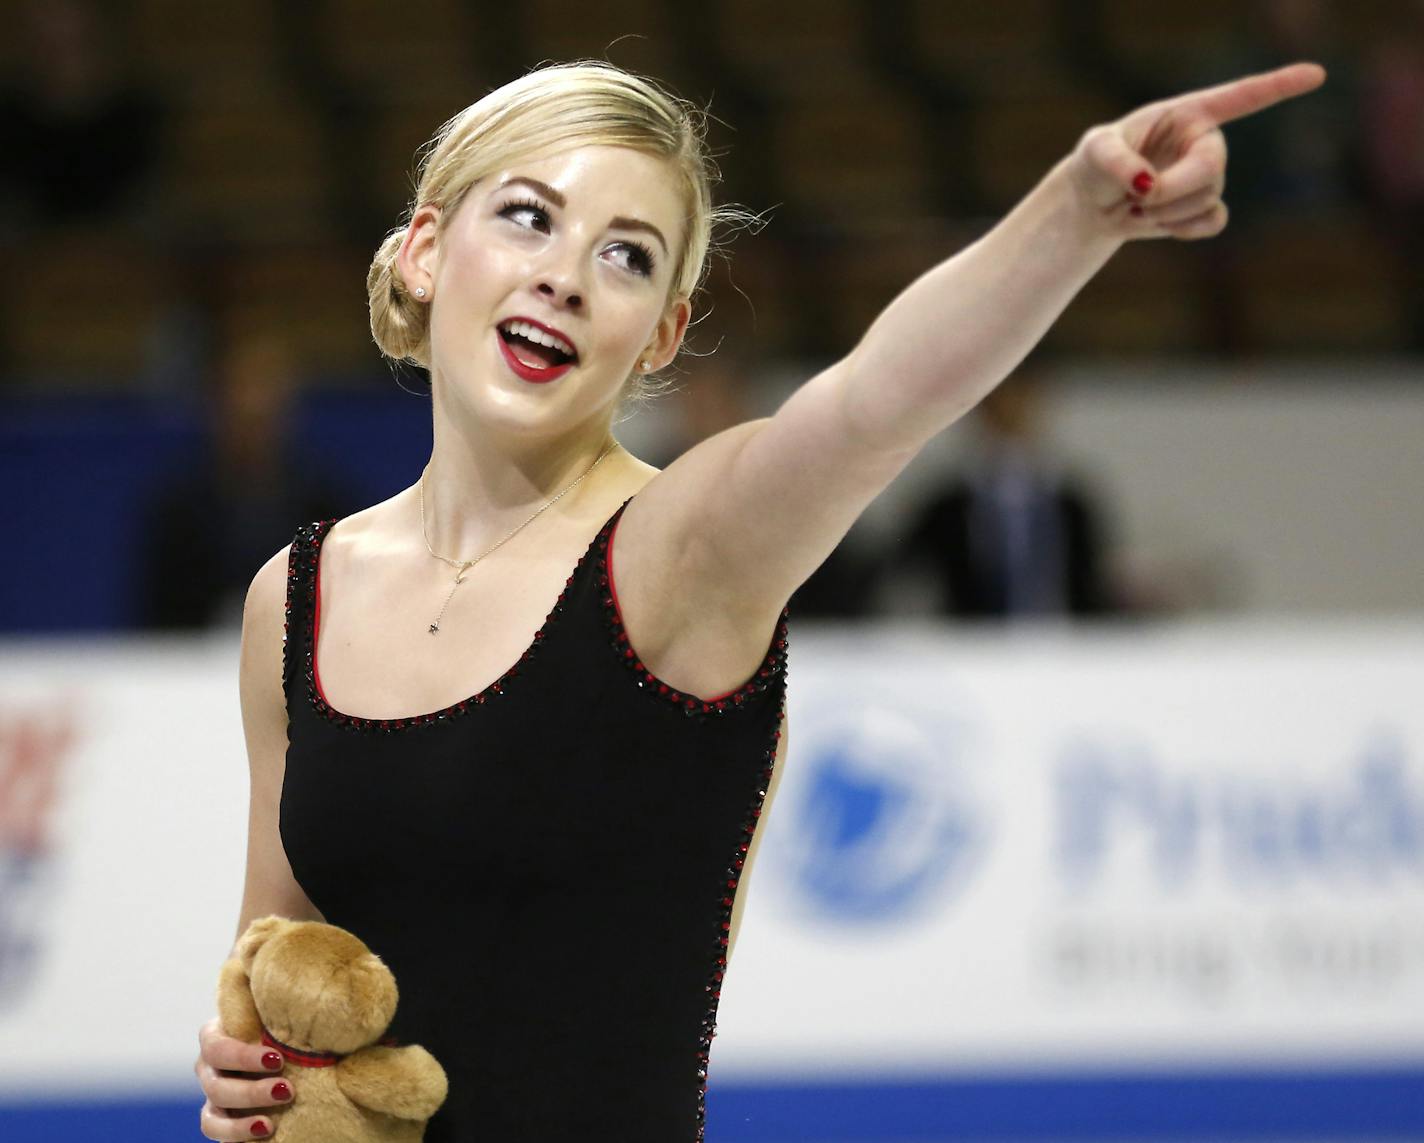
column 534, row 373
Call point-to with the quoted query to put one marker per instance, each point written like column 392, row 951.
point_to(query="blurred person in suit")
column 1014, row 535
column 242, row 496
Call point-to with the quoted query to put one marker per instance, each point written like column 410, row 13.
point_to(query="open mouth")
column 536, row 348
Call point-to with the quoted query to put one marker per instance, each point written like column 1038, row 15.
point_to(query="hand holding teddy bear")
column 313, row 1000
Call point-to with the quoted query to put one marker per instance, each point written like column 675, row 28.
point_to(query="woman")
column 549, row 865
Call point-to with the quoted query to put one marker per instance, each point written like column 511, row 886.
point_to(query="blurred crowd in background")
column 191, row 195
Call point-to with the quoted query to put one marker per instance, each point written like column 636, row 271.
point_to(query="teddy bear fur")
column 317, row 987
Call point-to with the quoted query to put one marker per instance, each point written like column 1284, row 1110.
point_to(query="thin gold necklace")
column 466, row 565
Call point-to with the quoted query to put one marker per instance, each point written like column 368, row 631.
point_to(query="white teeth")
column 534, row 333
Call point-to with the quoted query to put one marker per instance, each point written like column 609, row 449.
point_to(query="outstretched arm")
column 758, row 508
column 963, row 326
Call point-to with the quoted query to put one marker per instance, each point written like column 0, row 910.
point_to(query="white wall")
column 1311, row 486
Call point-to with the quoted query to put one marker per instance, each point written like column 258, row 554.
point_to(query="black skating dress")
column 548, row 867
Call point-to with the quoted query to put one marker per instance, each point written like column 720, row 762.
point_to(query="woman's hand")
column 1179, row 146
column 225, row 1068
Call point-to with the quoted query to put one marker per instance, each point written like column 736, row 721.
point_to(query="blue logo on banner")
column 887, row 819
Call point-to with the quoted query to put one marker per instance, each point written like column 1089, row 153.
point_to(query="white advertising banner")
column 123, row 819
column 1031, row 849
column 1159, row 848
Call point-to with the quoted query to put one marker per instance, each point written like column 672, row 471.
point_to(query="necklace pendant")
column 435, row 629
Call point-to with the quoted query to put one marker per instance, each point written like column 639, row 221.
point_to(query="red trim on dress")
column 618, row 611
column 316, row 628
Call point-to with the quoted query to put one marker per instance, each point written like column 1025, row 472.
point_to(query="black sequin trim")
column 301, row 575
column 723, row 933
column 767, row 675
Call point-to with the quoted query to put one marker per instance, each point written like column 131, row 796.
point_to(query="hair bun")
column 399, row 325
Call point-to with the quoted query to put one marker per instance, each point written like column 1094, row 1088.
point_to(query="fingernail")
column 261, row 1128
column 281, row 1091
column 1143, row 182
column 272, row 1061
column 1137, row 210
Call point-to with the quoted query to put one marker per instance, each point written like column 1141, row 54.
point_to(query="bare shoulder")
column 263, row 619
column 267, row 593
column 372, row 531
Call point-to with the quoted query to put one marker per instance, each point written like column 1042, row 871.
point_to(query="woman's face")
column 579, row 245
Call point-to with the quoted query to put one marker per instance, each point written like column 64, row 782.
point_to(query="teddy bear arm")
column 406, row 1082
column 237, row 1011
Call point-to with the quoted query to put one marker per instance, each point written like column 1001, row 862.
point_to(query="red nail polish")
column 281, row 1091
column 261, row 1128
column 272, row 1061
column 1143, row 182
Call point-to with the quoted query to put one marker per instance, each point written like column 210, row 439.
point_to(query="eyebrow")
column 619, row 223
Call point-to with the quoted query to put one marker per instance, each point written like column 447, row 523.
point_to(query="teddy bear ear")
column 258, row 933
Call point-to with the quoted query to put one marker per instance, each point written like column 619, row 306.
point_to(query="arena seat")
column 253, row 172
column 778, row 46
column 84, row 312
column 862, row 272
column 640, row 35
column 315, row 294
column 1320, row 283
column 394, row 134
column 984, row 46
column 851, row 151
column 1146, row 300
column 1014, row 140
column 206, row 53
column 385, row 57
column 751, row 298
column 1168, row 43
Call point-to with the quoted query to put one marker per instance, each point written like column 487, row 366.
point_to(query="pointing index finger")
column 1250, row 94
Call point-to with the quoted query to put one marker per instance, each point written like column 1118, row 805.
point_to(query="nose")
column 557, row 279
column 559, row 292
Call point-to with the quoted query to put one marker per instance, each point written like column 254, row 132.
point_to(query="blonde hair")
column 554, row 107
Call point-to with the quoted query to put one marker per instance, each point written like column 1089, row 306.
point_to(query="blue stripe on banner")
column 1278, row 1105
column 1232, row 1105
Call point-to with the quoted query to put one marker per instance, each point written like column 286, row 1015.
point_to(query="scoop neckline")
column 311, row 631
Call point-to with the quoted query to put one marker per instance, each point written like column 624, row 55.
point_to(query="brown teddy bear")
column 319, row 996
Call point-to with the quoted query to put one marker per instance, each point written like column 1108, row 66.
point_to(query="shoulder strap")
column 301, row 599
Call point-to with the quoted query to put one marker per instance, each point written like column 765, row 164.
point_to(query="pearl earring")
column 644, row 366
column 420, row 291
